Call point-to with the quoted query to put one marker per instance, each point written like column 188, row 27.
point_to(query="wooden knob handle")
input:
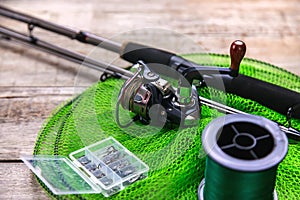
column 237, row 52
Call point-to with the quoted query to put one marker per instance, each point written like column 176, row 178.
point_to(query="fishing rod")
column 78, row 58
column 146, row 87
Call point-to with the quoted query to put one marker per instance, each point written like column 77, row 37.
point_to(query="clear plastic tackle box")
column 105, row 167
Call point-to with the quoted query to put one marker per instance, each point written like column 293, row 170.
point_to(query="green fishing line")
column 226, row 184
column 244, row 152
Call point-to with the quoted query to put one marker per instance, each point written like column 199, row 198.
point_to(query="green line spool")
column 244, row 152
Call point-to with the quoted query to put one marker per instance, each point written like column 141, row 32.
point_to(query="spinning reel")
column 156, row 101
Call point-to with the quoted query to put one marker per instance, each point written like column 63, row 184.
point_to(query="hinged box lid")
column 60, row 175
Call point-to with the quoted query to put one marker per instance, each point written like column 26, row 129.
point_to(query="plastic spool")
column 244, row 152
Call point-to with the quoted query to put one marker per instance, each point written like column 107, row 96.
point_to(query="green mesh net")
column 175, row 157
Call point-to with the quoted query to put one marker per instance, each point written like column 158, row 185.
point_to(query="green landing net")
column 176, row 158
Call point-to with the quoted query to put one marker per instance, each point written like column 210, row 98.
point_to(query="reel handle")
column 237, row 53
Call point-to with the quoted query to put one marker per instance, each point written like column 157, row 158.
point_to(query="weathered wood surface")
column 17, row 182
column 22, row 111
column 32, row 84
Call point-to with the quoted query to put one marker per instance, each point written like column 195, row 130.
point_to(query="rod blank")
column 79, row 35
column 66, row 54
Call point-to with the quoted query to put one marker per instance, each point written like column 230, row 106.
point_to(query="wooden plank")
column 22, row 112
column 17, row 182
column 18, row 139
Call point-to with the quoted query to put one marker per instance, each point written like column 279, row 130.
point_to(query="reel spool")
column 244, row 152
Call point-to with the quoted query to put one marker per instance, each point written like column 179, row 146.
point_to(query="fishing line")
column 244, row 152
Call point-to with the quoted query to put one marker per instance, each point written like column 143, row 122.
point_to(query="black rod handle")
column 272, row 96
column 133, row 52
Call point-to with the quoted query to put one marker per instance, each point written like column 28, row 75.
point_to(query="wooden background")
column 32, row 83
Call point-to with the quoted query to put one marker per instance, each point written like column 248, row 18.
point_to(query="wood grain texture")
column 33, row 84
column 17, row 182
column 22, row 112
